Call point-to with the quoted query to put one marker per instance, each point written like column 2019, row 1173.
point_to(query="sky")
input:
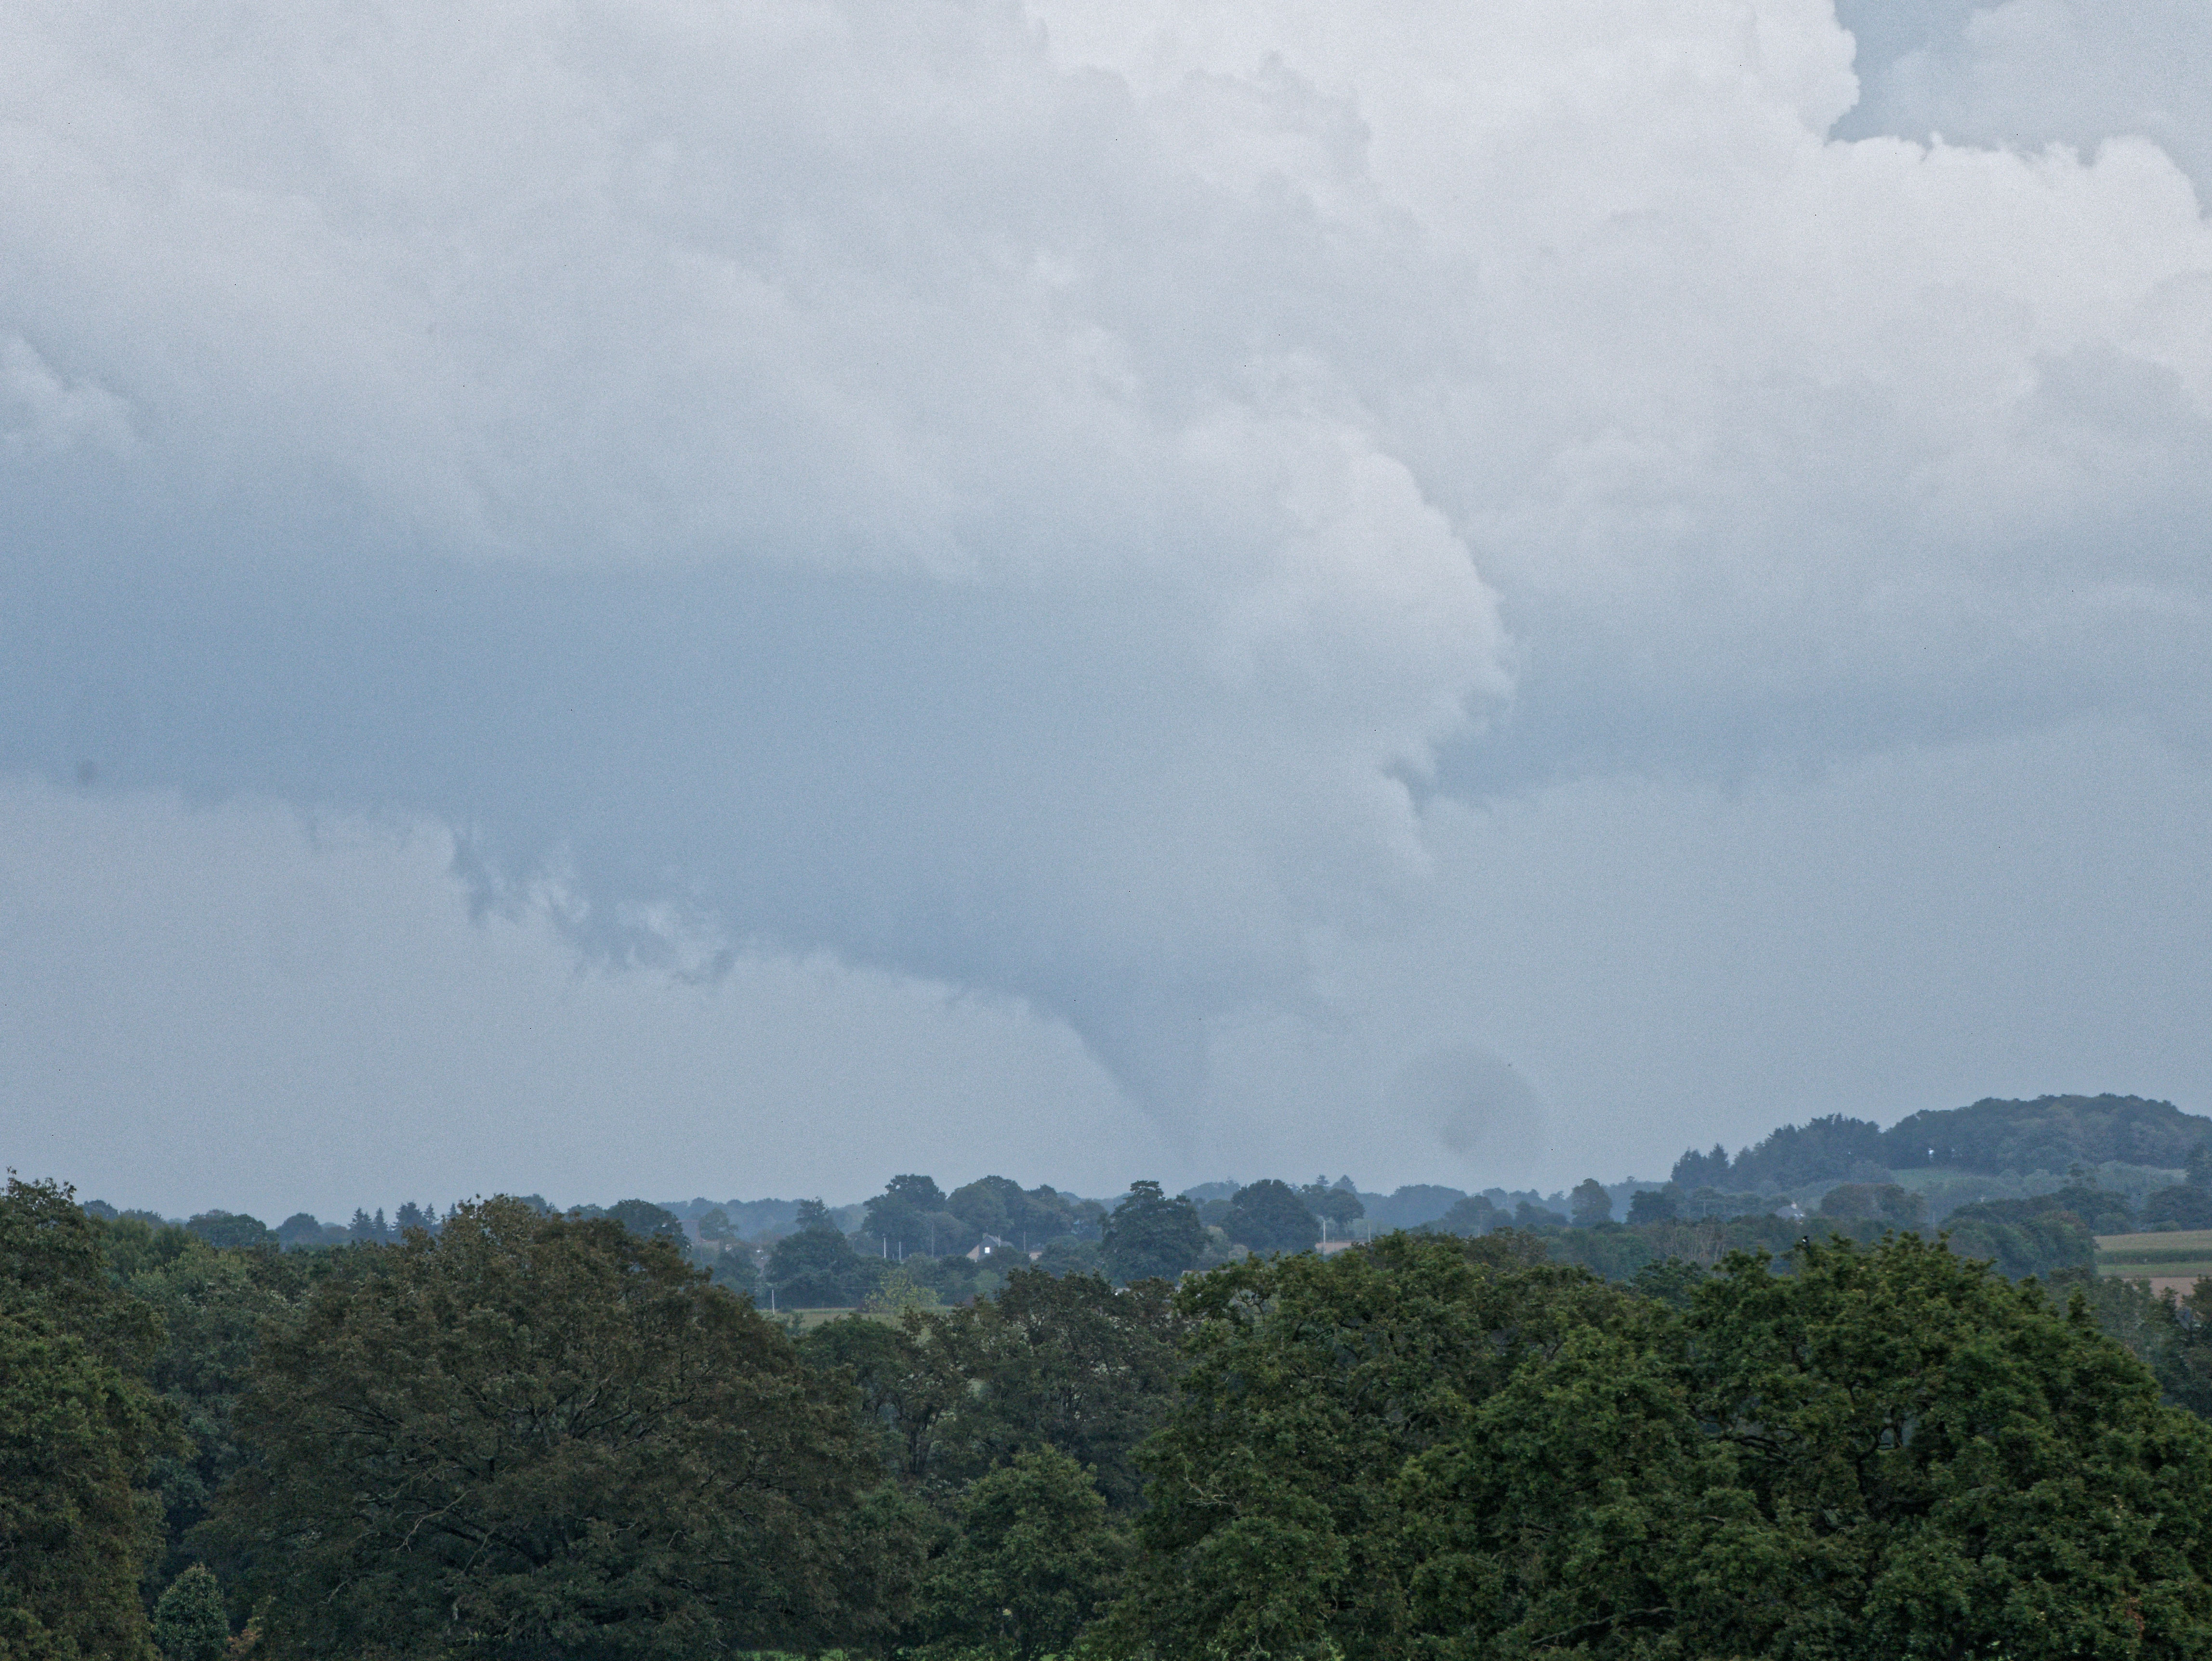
column 731, row 599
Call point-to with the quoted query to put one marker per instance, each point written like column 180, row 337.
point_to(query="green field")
column 2197, row 1242
column 2183, row 1254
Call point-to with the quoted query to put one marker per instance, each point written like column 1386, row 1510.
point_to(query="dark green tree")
column 1590, row 1203
column 734, row 1270
column 189, row 1622
column 909, row 1381
column 1148, row 1235
column 2198, row 1171
column 1653, row 1205
column 1473, row 1214
column 1033, row 1559
column 649, row 1221
column 77, row 1430
column 2184, row 1365
column 1274, row 1526
column 1340, row 1206
column 1886, row 1201
column 902, row 1210
column 213, row 1304
column 535, row 1435
column 1069, row 1255
column 231, row 1229
column 1065, row 1362
column 2183, row 1206
column 818, row 1269
column 1883, row 1452
column 2024, row 1236
column 1899, row 1419
column 1268, row 1216
column 301, row 1232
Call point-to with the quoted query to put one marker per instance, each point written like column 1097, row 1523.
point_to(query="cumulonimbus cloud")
column 1036, row 496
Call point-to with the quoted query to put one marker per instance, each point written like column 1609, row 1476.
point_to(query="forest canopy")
column 532, row 1435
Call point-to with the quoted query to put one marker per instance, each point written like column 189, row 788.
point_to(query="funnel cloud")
column 1191, row 576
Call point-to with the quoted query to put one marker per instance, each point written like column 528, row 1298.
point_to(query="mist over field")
column 645, row 600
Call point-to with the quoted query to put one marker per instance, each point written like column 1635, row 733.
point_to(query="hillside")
column 2048, row 1133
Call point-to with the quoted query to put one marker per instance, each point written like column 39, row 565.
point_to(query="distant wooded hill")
column 2050, row 1133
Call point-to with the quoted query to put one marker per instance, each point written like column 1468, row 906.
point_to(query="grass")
column 2196, row 1241
column 2189, row 1270
column 2181, row 1255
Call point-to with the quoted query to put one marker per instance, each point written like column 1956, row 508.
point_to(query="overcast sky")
column 704, row 597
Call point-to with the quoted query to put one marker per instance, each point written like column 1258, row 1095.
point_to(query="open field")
column 2177, row 1253
column 2180, row 1243
column 2170, row 1262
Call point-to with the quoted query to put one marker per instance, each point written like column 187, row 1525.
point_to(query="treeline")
column 532, row 1435
column 915, row 1245
column 2048, row 1133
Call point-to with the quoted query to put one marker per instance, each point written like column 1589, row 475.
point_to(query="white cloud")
column 1037, row 499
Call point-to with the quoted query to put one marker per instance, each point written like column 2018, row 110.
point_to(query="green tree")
column 650, row 1221
column 1340, row 1206
column 734, row 1270
column 909, row 1383
column 213, row 1304
column 1268, row 1216
column 1065, row 1362
column 1273, row 1525
column 1150, row 1236
column 2023, row 1237
column 302, row 1232
column 189, row 1624
column 2184, row 1206
column 1033, row 1559
column 2184, row 1367
column 77, row 1430
column 1470, row 1214
column 818, row 1269
column 1885, row 1202
column 535, row 1435
column 910, row 1213
column 897, row 1292
column 1858, row 1460
column 1590, row 1203
column 1884, row 1453
column 1069, row 1255
column 1001, row 1206
column 1653, row 1205
column 229, row 1228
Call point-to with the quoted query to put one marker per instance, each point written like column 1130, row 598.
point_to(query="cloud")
column 1043, row 500
column 1480, row 1107
column 41, row 413
column 2029, row 73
